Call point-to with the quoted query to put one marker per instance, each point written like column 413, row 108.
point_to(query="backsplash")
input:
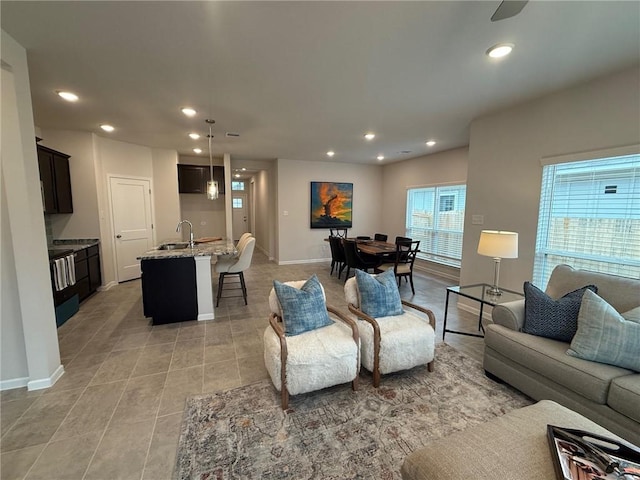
column 48, row 229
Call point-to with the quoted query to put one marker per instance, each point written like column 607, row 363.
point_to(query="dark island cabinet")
column 55, row 181
column 194, row 178
column 88, row 273
column 169, row 291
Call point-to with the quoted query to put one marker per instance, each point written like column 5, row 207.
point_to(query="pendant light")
column 212, row 185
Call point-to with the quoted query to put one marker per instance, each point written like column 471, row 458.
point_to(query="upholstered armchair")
column 308, row 345
column 395, row 334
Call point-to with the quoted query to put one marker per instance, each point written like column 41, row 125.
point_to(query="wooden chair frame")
column 275, row 321
column 376, row 335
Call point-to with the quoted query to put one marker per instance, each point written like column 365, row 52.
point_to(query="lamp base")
column 495, row 291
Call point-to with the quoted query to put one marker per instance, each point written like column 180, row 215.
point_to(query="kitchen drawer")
column 82, row 269
column 63, row 295
column 83, row 288
column 91, row 251
column 80, row 255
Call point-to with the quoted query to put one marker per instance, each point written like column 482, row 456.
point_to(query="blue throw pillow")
column 303, row 309
column 546, row 317
column 379, row 295
column 605, row 336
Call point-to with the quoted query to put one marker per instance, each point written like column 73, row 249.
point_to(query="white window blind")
column 590, row 217
column 435, row 216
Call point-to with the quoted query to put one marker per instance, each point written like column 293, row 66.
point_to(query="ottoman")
column 511, row 447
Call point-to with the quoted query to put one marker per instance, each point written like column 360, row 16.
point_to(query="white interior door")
column 132, row 228
column 240, row 212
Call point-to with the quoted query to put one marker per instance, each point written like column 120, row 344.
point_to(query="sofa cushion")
column 303, row 309
column 621, row 293
column 546, row 317
column 548, row 358
column 624, row 396
column 605, row 336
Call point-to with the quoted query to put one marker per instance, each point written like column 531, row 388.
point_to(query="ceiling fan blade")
column 508, row 9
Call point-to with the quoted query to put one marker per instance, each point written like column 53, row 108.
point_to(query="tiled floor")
column 116, row 412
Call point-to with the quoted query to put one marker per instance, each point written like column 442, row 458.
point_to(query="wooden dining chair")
column 338, row 232
column 403, row 263
column 338, row 260
column 380, row 237
column 355, row 260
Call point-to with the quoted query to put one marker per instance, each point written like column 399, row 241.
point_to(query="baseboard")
column 436, row 273
column 476, row 311
column 13, row 383
column 104, row 288
column 299, row 262
column 32, row 384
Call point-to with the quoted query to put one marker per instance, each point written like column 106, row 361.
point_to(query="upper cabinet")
column 55, row 181
column 194, row 178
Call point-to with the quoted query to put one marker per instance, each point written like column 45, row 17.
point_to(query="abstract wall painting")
column 331, row 205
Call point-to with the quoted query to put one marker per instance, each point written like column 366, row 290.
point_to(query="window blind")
column 435, row 216
column 590, row 217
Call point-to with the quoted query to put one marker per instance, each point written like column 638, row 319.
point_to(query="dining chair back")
column 338, row 260
column 402, row 265
column 403, row 240
column 380, row 237
column 236, row 268
column 338, row 232
column 354, row 260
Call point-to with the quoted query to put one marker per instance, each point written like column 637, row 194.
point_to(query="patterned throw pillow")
column 605, row 336
column 546, row 317
column 379, row 294
column 302, row 309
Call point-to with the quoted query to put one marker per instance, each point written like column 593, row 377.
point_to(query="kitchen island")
column 176, row 280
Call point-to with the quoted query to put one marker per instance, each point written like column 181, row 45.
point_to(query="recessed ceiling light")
column 107, row 128
column 68, row 96
column 500, row 50
column 237, row 175
column 330, row 153
column 431, row 143
column 195, row 136
column 197, row 150
column 370, row 136
column 243, row 169
column 380, row 157
column 188, row 111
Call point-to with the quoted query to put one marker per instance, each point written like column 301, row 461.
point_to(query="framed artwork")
column 331, row 204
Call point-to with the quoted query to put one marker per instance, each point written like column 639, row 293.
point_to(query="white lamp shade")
column 498, row 244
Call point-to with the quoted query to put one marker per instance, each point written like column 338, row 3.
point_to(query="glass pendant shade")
column 212, row 190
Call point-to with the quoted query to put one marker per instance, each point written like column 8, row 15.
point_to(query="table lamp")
column 497, row 244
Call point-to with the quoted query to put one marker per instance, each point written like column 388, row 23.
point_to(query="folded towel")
column 71, row 269
column 60, row 274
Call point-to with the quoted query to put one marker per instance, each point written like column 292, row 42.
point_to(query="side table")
column 479, row 293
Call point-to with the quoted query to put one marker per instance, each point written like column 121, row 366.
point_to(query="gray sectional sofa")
column 540, row 367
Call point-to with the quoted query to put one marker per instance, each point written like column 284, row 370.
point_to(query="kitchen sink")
column 173, row 246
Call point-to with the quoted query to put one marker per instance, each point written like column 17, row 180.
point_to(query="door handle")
column 118, row 236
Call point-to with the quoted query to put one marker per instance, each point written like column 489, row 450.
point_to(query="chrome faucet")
column 191, row 242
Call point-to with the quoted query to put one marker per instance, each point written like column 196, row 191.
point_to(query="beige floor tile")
column 154, row 359
column 15, row 465
column 252, row 369
column 11, row 411
column 93, row 410
column 122, row 452
column 162, row 453
column 178, row 386
column 66, row 459
column 74, row 378
column 188, row 353
column 191, row 331
column 248, row 346
column 219, row 353
column 140, row 400
column 221, row 376
column 118, row 366
column 129, row 341
column 158, row 337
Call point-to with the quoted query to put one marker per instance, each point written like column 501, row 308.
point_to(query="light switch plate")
column 477, row 219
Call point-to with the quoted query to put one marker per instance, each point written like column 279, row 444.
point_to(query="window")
column 236, row 202
column 237, row 185
column 435, row 216
column 590, row 217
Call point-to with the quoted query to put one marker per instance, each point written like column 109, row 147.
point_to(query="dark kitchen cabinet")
column 169, row 289
column 55, row 181
column 194, row 178
column 88, row 273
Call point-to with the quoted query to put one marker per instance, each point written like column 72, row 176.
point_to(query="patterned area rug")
column 337, row 433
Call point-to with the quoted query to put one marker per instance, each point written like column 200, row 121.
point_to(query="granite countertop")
column 74, row 244
column 218, row 248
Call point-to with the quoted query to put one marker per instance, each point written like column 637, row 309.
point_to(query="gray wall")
column 504, row 173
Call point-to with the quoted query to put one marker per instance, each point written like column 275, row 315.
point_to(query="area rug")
column 336, row 433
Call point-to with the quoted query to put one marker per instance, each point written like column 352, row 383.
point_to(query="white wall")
column 166, row 203
column 448, row 167
column 296, row 242
column 26, row 282
column 84, row 221
column 504, row 175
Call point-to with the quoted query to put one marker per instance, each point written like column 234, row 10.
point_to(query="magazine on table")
column 581, row 455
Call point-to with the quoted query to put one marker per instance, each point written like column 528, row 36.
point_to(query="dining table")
column 376, row 247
